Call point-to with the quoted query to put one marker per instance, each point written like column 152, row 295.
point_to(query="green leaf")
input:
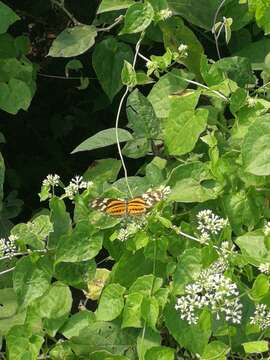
column 106, row 336
column 31, row 279
column 260, row 287
column 256, row 147
column 9, row 314
column 189, row 124
column 187, row 269
column 54, row 307
column 34, row 232
column 62, row 350
column 150, row 311
column 137, row 148
column 194, row 338
column 138, row 17
column 128, row 75
column 73, row 64
column 146, row 340
column 132, row 311
column 108, row 60
column 103, row 170
column 255, row 346
column 237, row 69
column 261, row 9
column 255, row 52
column 250, row 241
column 168, row 84
column 7, row 17
column 188, row 183
column 141, row 116
column 176, row 33
column 160, row 353
column 146, row 285
column 22, row 344
column 75, row 274
column 60, row 219
column 215, row 350
column 14, row 96
column 198, row 13
column 103, row 138
column 80, row 245
column 73, row 41
column 112, row 5
column 111, row 303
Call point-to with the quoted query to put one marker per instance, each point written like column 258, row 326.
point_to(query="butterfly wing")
column 114, row 207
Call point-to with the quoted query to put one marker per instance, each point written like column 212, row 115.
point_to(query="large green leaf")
column 182, row 130
column 250, row 241
column 9, row 316
column 138, row 18
column 75, row 274
column 168, row 84
column 215, row 350
column 175, row 33
column 7, row 17
column 146, row 340
column 103, row 138
column 14, row 96
column 193, row 337
column 54, row 307
column 112, row 5
column 76, row 323
column 141, row 116
column 261, row 9
column 108, row 60
column 103, row 170
column 132, row 311
column 111, row 303
column 22, row 344
column 31, row 279
column 73, row 41
column 159, row 353
column 189, row 183
column 256, row 147
column 255, row 52
column 80, row 245
column 198, row 13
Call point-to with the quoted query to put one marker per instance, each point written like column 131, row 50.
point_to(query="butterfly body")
column 135, row 206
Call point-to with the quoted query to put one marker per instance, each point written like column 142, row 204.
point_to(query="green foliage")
column 184, row 87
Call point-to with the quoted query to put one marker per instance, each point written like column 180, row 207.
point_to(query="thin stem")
column 116, row 22
column 192, row 82
column 213, row 28
column 118, row 117
column 7, row 271
column 61, row 5
column 64, row 77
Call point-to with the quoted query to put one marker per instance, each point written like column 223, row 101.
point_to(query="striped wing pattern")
column 135, row 206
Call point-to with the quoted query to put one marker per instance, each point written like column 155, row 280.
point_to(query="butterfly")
column 136, row 206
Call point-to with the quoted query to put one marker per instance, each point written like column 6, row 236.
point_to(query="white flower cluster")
column 182, row 48
column 264, row 268
column 8, row 246
column 51, row 180
column 251, row 101
column 209, row 224
column 164, row 14
column 266, row 229
column 214, row 290
column 261, row 317
column 77, row 183
column 131, row 229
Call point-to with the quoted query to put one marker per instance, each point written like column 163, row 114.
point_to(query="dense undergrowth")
column 160, row 248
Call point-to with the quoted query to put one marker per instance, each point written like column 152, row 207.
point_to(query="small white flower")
column 182, row 48
column 131, row 229
column 51, row 180
column 266, row 229
column 75, row 185
column 261, row 317
column 204, row 237
column 251, row 101
column 165, row 14
column 8, row 246
column 264, row 268
column 214, row 290
column 209, row 223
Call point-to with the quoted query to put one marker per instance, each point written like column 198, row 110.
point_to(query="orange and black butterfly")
column 135, row 206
